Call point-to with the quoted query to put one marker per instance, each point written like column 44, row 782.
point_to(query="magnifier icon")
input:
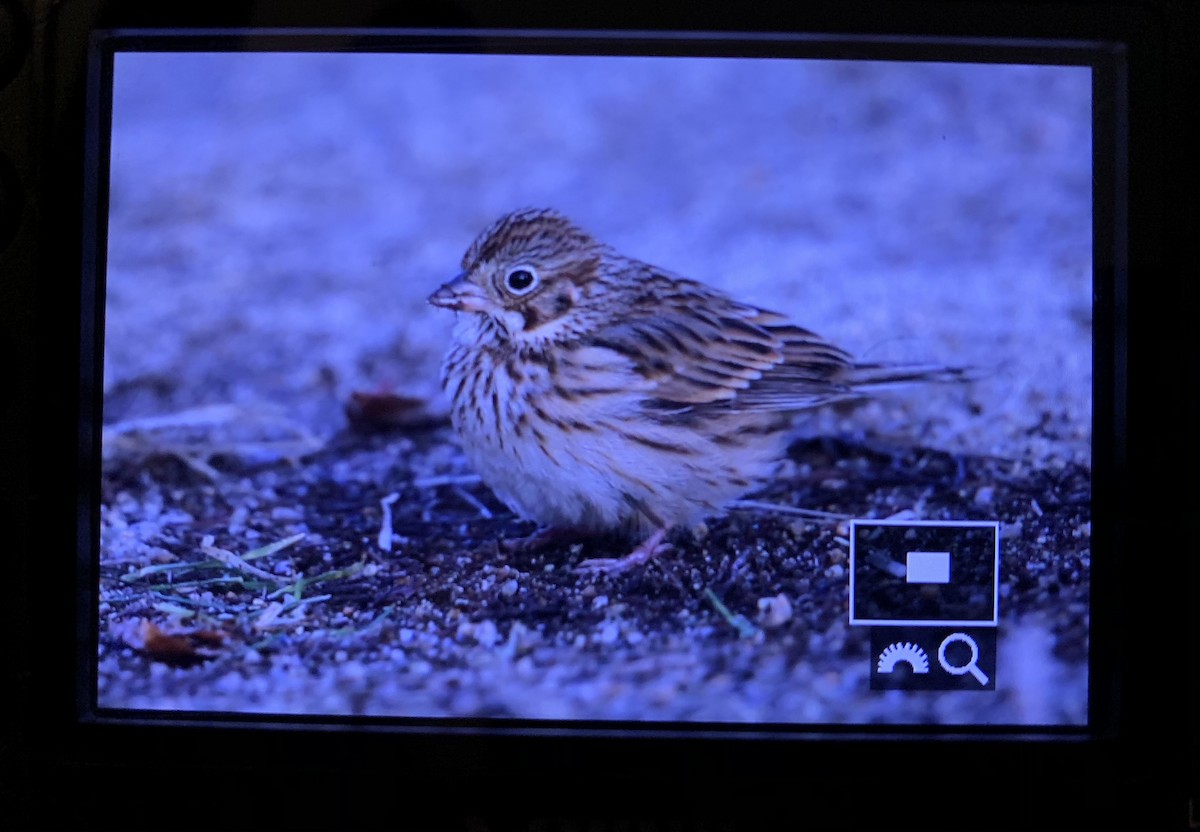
column 960, row 669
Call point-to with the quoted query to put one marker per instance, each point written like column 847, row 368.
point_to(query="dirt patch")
column 737, row 623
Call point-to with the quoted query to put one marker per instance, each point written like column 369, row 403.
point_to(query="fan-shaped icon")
column 903, row 651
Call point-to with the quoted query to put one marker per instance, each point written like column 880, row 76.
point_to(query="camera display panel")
column 641, row 389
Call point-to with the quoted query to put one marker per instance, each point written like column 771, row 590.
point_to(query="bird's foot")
column 647, row 550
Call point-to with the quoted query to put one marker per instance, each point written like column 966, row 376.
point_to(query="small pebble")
column 773, row 612
column 608, row 633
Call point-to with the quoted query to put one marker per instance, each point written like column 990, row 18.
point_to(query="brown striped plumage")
column 597, row 393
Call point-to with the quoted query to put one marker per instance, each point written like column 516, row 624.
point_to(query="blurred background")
column 277, row 220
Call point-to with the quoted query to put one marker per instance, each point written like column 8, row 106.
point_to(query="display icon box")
column 924, row 573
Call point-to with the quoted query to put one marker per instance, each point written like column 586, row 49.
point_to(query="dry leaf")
column 371, row 412
column 182, row 649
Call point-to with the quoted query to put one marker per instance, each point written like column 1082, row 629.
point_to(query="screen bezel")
column 1122, row 593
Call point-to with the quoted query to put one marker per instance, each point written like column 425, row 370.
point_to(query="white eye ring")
column 526, row 280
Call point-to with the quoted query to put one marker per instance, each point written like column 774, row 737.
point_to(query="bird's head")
column 535, row 273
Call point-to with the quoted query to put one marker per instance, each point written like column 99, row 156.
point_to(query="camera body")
column 51, row 323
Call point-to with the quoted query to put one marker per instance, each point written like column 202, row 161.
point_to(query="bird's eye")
column 520, row 280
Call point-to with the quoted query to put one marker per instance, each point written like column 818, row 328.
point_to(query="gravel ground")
column 276, row 224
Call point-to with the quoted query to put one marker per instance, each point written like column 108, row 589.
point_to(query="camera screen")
column 617, row 389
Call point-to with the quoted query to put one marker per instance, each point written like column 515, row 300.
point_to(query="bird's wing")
column 701, row 349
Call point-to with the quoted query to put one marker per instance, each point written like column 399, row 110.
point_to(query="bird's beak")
column 459, row 294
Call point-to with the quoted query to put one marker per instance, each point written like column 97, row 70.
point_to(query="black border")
column 58, row 772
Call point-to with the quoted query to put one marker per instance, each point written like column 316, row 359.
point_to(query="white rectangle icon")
column 928, row 568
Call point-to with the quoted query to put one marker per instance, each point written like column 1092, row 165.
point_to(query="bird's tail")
column 879, row 376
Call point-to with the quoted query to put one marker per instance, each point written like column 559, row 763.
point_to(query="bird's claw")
column 646, row 551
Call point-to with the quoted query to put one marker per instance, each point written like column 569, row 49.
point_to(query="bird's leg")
column 648, row 549
column 542, row 539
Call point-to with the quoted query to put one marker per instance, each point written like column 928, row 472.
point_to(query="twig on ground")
column 385, row 524
column 738, row 622
column 448, row 479
column 254, row 433
column 777, row 508
column 483, row 510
